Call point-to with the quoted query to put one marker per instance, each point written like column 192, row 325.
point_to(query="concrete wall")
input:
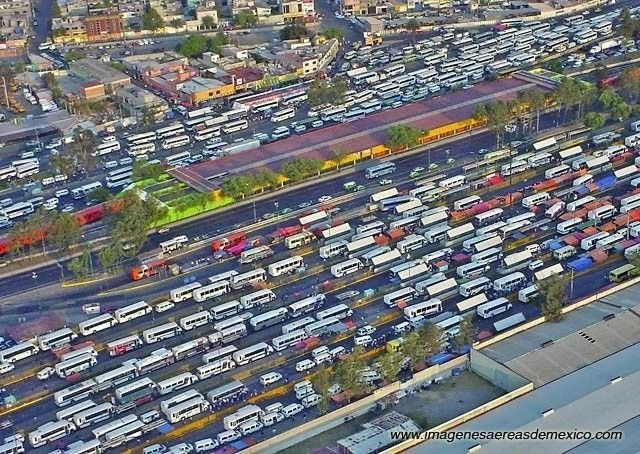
column 360, row 407
column 495, row 372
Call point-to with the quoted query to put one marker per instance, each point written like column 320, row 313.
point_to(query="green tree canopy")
column 403, row 136
column 238, row 186
column 297, row 169
column 293, row 31
column 334, row 33
column 245, row 19
column 325, row 91
column 152, row 20
column 144, row 170
column 553, row 296
column 64, row 231
column 594, row 120
column 194, row 46
column 208, row 22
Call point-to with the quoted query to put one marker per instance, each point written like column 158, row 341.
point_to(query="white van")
column 48, row 181
column 182, row 448
column 402, row 327
column 362, row 341
column 370, row 376
column 6, row 367
column 45, row 373
column 125, row 161
column 337, row 352
column 110, row 165
column 319, row 351
column 270, row 378
column 6, row 203
column 275, row 407
column 564, row 252
column 149, row 416
column 311, row 400
column 61, row 193
column 208, row 444
column 291, row 410
column 27, row 154
column 164, row 306
column 532, row 248
column 50, row 204
column 304, row 365
column 154, row 449
column 228, row 436
column 108, row 139
column 269, row 419
column 323, row 358
column 250, row 427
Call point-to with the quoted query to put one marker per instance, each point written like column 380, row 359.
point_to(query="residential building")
column 103, row 27
column 307, row 61
column 293, row 10
column 377, row 434
column 199, row 89
column 135, row 100
column 15, row 18
column 89, row 69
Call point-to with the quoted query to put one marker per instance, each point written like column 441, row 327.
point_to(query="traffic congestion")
column 378, row 79
column 425, row 247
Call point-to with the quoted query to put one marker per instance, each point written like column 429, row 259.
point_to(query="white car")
column 385, row 181
column 53, row 144
column 366, row 330
column 324, row 198
column 536, row 264
column 304, row 365
column 45, row 373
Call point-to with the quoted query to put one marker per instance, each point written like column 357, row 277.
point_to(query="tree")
column 147, row 116
column 55, row 9
column 208, row 22
column 338, row 156
column 412, row 27
column 108, row 256
column 402, row 137
column 348, row 372
column 431, row 336
column 567, row 94
column 621, row 111
column 608, row 98
column 100, row 195
column 293, row 31
column 555, row 66
column 321, row 383
column 466, row 335
column 202, row 199
column 238, row 186
column 62, row 163
column 553, row 297
column 389, row 365
column 35, row 227
column 195, row 46
column 177, row 23
column 64, row 231
column 414, row 349
column 265, row 179
column 80, row 267
column 628, row 25
column 144, row 170
column 325, row 91
column 152, row 20
column 83, row 147
column 629, row 84
column 245, row 19
column 297, row 169
column 334, row 33
column 594, row 120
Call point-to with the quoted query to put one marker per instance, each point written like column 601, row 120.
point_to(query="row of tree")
column 327, row 91
column 194, row 46
column 400, row 137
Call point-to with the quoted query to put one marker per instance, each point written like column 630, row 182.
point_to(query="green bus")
column 621, row 273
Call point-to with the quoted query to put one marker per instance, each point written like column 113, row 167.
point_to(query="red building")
column 103, row 27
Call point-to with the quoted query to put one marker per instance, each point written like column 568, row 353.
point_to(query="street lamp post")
column 571, row 286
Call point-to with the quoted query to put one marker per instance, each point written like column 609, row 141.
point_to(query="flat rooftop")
column 358, row 135
column 584, row 400
column 581, row 338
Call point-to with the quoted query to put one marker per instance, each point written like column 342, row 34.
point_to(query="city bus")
column 132, row 311
column 380, row 170
column 143, row 138
column 292, row 337
column 252, row 353
column 494, row 307
column 269, row 318
column 96, row 324
column 170, row 131
column 424, row 309
column 17, row 352
column 339, row 312
column 305, row 305
column 158, row 333
column 282, row 115
column 227, row 392
column 175, row 142
column 235, row 126
column 74, row 393
column 49, row 432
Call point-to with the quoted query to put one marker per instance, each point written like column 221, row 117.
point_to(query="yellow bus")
column 621, row 273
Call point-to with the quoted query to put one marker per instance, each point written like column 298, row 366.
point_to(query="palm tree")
column 413, row 26
column 538, row 102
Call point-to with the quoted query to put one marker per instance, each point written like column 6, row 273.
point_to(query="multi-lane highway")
column 316, row 279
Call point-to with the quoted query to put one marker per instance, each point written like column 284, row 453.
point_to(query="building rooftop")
column 95, row 69
column 377, row 434
column 582, row 337
column 584, row 400
column 196, row 84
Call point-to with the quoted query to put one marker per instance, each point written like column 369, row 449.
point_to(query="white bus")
column 557, row 171
column 333, row 249
column 177, row 158
column 285, row 266
column 175, row 383
column 124, row 434
column 488, row 217
column 134, row 391
column 74, row 393
column 256, row 253
column 513, row 168
column 424, row 309
column 262, row 106
column 450, row 327
column 49, row 432
column 93, row 415
column 471, row 303
column 296, row 325
column 248, row 279
column 602, row 213
column 184, row 293
column 471, row 288
column 100, row 433
column 290, row 338
column 539, row 159
column 132, row 311
column 411, row 243
column 283, row 115
column 353, row 115
column 257, row 299
column 243, row 415
column 219, row 354
column 472, row 270
column 488, row 256
column 333, row 114
column 106, row 148
column 379, row 170
column 69, row 412
column 321, row 326
column 492, row 228
column 527, row 294
column 555, row 210
column 509, row 283
column 495, row 307
column 528, row 217
column 187, row 409
column 170, row 131
column 535, row 200
column 457, row 233
column 116, row 376
column 208, row 133
column 295, row 98
column 402, row 296
column 339, row 312
column 76, row 364
column 210, row 291
column 96, row 324
column 196, row 320
column 143, row 138
column 17, row 352
column 228, row 391
column 466, row 203
column 84, row 190
column 175, row 142
column 453, row 182
column 577, row 204
column 252, row 353
column 269, row 318
column 158, row 333
column 589, row 242
column 225, row 310
column 305, row 305
column 156, row 360
column 215, row 367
